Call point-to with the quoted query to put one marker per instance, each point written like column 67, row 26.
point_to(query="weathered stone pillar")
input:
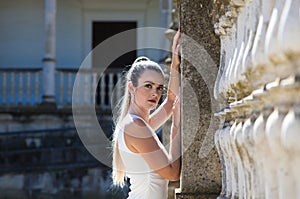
column 50, row 52
column 201, row 173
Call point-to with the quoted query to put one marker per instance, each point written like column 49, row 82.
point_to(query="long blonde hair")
column 134, row 73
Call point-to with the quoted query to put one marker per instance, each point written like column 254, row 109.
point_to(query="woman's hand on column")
column 176, row 51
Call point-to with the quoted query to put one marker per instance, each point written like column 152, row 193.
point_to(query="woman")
column 138, row 153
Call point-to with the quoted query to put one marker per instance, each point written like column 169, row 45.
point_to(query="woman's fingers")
column 176, row 49
column 176, row 41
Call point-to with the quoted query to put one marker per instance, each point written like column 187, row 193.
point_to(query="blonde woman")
column 137, row 152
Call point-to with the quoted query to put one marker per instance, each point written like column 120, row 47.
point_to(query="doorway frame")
column 110, row 16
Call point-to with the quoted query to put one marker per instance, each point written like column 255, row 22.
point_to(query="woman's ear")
column 130, row 87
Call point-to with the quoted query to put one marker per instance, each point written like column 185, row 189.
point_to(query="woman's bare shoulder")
column 138, row 128
column 139, row 137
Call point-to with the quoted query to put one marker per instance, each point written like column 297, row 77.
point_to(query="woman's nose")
column 154, row 92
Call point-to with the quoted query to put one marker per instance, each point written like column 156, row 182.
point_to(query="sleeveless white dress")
column 145, row 183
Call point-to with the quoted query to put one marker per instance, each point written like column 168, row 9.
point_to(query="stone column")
column 50, row 54
column 201, row 172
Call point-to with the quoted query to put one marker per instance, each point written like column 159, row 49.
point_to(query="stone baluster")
column 273, row 98
column 248, row 35
column 219, row 93
column 110, row 87
column 248, row 156
column 259, row 135
column 290, row 139
column 61, row 87
column 290, row 136
column 94, row 87
column 70, row 88
column 240, row 45
column 37, row 87
column 277, row 163
column 244, row 155
column 289, row 29
column 232, row 165
column 229, row 46
column 248, row 137
column 4, row 88
column 272, row 47
column 234, row 161
column 217, row 141
column 258, row 142
column 119, row 91
column 28, row 88
column 246, row 62
column 243, row 110
column 102, row 91
column 20, row 88
column 260, row 62
column 223, row 137
column 241, row 175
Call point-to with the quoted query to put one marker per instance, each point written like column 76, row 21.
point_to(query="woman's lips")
column 152, row 101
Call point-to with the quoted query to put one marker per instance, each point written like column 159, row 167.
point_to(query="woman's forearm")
column 174, row 82
column 175, row 151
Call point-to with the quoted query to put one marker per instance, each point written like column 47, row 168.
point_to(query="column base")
column 48, row 101
column 197, row 196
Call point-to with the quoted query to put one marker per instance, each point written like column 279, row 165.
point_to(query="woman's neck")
column 133, row 109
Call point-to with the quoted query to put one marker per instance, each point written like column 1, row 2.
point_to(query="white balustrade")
column 23, row 87
column 258, row 88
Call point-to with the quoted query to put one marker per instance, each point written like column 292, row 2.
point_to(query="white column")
column 49, row 57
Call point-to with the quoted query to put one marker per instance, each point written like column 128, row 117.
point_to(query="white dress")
column 145, row 183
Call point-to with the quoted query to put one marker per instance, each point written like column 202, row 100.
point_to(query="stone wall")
column 42, row 156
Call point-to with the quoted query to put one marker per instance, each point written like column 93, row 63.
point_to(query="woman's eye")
column 160, row 88
column 148, row 86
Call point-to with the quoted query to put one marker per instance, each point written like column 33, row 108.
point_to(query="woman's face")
column 149, row 89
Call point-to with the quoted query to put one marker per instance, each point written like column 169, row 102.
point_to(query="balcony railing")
column 24, row 87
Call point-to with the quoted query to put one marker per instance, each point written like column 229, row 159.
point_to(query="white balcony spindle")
column 110, row 87
column 28, row 85
column 69, row 88
column 94, row 88
column 119, row 90
column 20, row 88
column 61, row 87
column 4, row 89
column 12, row 91
column 102, row 91
column 36, row 87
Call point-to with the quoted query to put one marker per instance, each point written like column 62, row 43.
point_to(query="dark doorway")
column 104, row 30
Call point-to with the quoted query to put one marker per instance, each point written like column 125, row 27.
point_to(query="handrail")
column 23, row 86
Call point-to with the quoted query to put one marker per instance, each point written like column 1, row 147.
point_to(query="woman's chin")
column 152, row 107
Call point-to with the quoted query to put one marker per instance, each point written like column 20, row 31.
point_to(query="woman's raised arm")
column 162, row 114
